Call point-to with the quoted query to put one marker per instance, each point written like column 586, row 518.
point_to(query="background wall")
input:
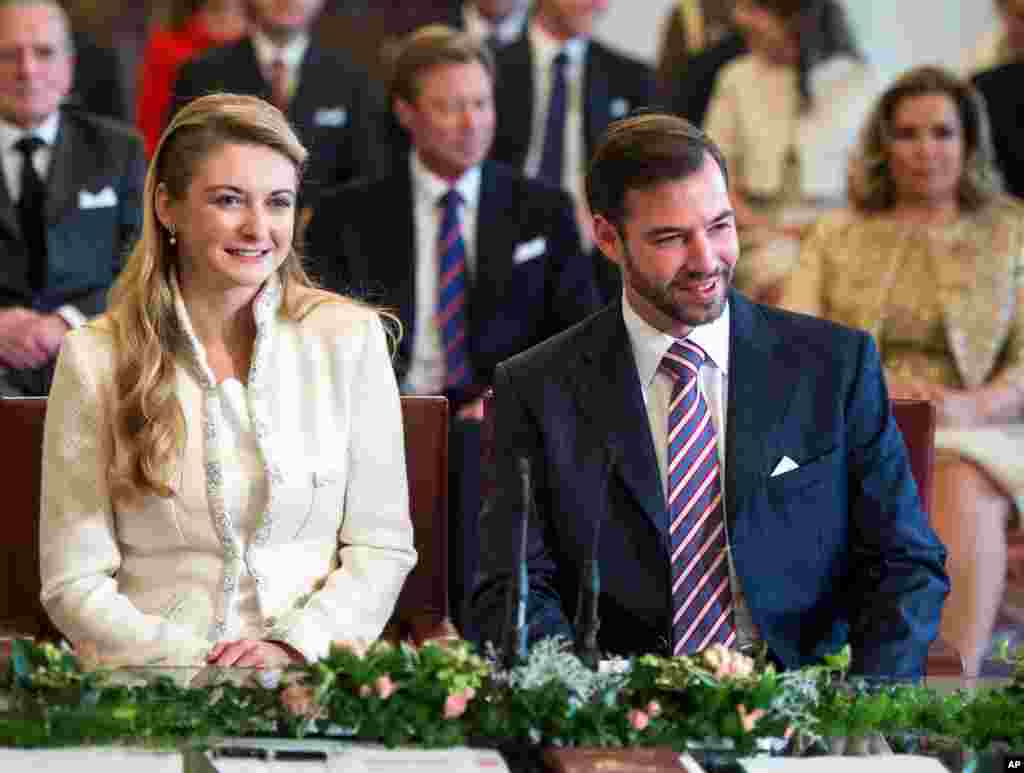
column 896, row 34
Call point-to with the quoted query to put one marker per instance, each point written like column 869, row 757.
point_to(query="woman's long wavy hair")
column 149, row 339
column 872, row 188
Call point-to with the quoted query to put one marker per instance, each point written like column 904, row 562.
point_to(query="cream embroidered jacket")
column 157, row 581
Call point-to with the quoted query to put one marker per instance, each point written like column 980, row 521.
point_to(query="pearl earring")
column 171, row 235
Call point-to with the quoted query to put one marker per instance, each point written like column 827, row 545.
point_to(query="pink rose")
column 653, row 709
column 298, row 700
column 385, row 687
column 638, row 719
column 356, row 646
column 469, row 693
column 455, row 706
column 365, row 691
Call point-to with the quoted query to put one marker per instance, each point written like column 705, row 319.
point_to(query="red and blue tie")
column 451, row 306
column 702, row 604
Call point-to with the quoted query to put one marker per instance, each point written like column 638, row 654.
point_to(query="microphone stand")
column 516, row 628
column 587, row 622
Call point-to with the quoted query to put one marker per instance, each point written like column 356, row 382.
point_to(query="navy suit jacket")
column 336, row 112
column 362, row 241
column 613, row 85
column 838, row 550
column 95, row 161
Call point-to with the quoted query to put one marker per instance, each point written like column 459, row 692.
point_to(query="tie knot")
column 28, row 145
column 683, row 359
column 451, row 199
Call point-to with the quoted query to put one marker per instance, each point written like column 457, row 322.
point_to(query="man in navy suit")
column 524, row 278
column 333, row 106
column 70, row 205
column 787, row 509
column 552, row 137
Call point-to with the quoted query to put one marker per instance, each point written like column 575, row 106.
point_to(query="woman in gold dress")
column 929, row 259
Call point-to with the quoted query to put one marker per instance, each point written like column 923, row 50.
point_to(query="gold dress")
column 944, row 303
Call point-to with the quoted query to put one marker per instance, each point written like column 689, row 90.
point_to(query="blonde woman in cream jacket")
column 223, row 467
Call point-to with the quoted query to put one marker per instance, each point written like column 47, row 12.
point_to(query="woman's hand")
column 253, row 653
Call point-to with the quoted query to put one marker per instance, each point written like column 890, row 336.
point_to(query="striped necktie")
column 451, row 306
column 702, row 606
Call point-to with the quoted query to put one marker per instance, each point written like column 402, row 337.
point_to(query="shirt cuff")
column 72, row 316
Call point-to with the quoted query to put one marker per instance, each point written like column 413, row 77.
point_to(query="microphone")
column 587, row 622
column 516, row 628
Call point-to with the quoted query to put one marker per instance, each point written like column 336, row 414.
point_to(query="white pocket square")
column 333, row 117
column 785, row 465
column 105, row 198
column 529, row 250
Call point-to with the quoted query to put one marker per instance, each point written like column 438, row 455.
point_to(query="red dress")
column 166, row 50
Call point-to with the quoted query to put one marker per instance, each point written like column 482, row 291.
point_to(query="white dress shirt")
column 506, row 31
column 291, row 54
column 649, row 348
column 545, row 48
column 426, row 373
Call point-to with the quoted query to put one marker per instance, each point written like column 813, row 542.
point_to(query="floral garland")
column 445, row 694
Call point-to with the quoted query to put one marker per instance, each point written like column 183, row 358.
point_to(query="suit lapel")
column 8, row 217
column 68, row 174
column 305, row 101
column 609, row 395
column 495, row 238
column 395, row 269
column 761, row 385
column 596, row 95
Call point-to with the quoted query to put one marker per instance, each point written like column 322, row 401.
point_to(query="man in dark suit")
column 1001, row 90
column 474, row 280
column 804, row 530
column 558, row 89
column 333, row 106
column 70, row 206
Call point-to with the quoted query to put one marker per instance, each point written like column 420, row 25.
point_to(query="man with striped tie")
column 478, row 261
column 758, row 489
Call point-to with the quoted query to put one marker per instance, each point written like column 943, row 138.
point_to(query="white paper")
column 889, row 763
column 89, row 760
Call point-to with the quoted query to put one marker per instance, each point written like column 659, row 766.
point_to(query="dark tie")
column 31, row 210
column 554, row 128
column 451, row 304
column 702, row 606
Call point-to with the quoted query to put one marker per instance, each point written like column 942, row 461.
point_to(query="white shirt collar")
column 46, row 131
column 546, row 48
column 505, row 31
column 651, row 344
column 267, row 51
column 428, row 186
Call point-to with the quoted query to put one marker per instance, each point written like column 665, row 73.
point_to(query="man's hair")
column 61, row 11
column 642, row 151
column 428, row 47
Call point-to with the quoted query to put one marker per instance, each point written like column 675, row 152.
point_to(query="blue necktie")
column 451, row 305
column 702, row 605
column 553, row 153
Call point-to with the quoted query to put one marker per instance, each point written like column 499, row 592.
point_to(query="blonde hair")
column 872, row 188
column 149, row 339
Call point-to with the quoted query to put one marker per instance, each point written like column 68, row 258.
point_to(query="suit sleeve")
column 515, row 436
column 79, row 553
column 897, row 562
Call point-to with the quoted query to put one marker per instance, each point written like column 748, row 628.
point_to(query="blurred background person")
column 339, row 115
column 786, row 116
column 1002, row 88
column 557, row 90
column 930, row 259
column 479, row 261
column 71, row 203
column 192, row 27
column 699, row 38
column 224, row 474
column 1002, row 44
